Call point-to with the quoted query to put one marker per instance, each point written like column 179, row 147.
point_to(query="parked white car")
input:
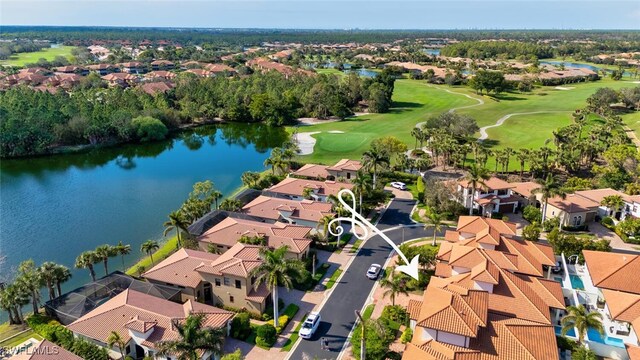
column 310, row 325
column 374, row 271
column 399, row 185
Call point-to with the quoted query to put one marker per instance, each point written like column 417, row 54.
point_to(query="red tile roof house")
column 161, row 65
column 344, row 169
column 102, row 69
column 133, row 67
column 46, row 350
column 199, row 72
column 72, row 69
column 487, row 303
column 160, row 75
column 305, row 212
column 143, row 321
column 293, row 188
column 496, row 196
column 607, row 283
column 226, row 234
column 153, row 88
column 120, row 79
column 214, row 279
column 220, row 69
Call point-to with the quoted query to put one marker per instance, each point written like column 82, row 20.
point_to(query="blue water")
column 558, row 279
column 594, row 335
column 571, row 64
column 576, row 282
column 363, row 72
column 434, row 52
column 571, row 332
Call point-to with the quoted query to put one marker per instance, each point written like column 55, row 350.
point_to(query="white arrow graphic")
column 356, row 220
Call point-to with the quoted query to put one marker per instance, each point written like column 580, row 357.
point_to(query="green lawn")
column 20, row 339
column 527, row 131
column 414, row 102
column 165, row 250
column 633, row 122
column 334, row 277
column 49, row 54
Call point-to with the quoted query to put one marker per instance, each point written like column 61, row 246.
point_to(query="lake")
column 52, row 208
column 569, row 64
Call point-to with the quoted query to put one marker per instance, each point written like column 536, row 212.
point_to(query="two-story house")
column 305, row 212
column 294, row 189
column 133, row 67
column 162, row 65
column 495, row 196
column 344, row 169
column 143, row 321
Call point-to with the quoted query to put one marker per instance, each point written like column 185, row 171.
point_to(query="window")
column 238, row 284
column 127, row 349
column 231, row 298
column 348, row 175
column 503, row 192
column 227, row 282
column 217, row 282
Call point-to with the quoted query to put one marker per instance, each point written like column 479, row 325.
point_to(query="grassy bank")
column 166, row 249
column 48, row 54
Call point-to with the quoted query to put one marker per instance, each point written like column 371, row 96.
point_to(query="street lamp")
column 362, row 351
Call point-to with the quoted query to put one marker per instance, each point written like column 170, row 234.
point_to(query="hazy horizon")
column 328, row 15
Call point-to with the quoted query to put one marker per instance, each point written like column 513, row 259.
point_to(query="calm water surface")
column 54, row 207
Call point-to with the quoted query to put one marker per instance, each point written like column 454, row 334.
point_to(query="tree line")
column 33, row 122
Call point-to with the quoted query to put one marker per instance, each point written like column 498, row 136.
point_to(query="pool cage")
column 71, row 306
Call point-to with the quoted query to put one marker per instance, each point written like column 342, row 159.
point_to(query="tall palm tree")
column 149, row 247
column 193, row 339
column 416, row 134
column 12, row 299
column 323, row 224
column 176, row 222
column 361, row 185
column 86, row 260
column 47, row 273
column 434, row 220
column 374, row 158
column 122, row 250
column 613, row 202
column 104, row 252
column 277, row 270
column 30, row 280
column 61, row 274
column 116, row 340
column 549, row 188
column 228, row 204
column 508, row 153
column 578, row 317
column 278, row 160
column 476, row 176
column 395, row 285
column 523, row 155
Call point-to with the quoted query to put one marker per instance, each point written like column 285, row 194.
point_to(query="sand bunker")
column 306, row 142
column 335, row 132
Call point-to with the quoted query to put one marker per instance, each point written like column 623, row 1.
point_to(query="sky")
column 322, row 14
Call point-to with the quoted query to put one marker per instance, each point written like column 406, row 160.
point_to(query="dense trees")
column 489, row 81
column 33, row 122
column 497, row 49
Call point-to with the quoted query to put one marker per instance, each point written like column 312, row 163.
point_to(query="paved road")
column 351, row 293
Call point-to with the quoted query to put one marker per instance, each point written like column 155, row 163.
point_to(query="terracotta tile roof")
column 270, row 208
column 119, row 77
column 162, row 62
column 598, row 195
column 633, row 351
column 117, row 314
column 160, row 74
column 493, row 183
column 199, row 72
column 475, row 224
column 179, row 268
column 623, row 306
column 414, row 308
column 239, row 260
column 230, row 230
column 346, row 164
column 293, row 186
column 131, row 64
column 613, row 271
column 514, row 295
column 46, row 350
column 453, row 310
column 218, row 68
column 153, row 88
column 312, row 171
column 258, row 295
column 574, row 203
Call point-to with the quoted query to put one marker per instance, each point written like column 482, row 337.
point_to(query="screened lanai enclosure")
column 71, row 306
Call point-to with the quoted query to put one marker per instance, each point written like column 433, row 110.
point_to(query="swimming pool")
column 576, row 282
column 571, row 333
column 594, row 335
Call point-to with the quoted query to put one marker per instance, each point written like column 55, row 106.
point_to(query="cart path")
column 483, row 130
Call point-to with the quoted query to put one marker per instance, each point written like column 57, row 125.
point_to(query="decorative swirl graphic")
column 336, row 228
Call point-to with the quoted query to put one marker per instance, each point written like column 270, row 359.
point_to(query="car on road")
column 310, row 325
column 374, row 271
column 399, row 185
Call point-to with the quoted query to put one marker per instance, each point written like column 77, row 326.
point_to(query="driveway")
column 353, row 289
column 615, row 241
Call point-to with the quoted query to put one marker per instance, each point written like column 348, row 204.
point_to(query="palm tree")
column 30, row 280
column 12, row 299
column 176, row 222
column 277, row 270
column 61, row 274
column 476, row 176
column 86, row 260
column 434, row 220
column 104, row 252
column 323, row 224
column 122, row 250
column 394, row 286
column 149, row 247
column 508, row 153
column 613, row 202
column 523, row 155
column 374, row 158
column 228, row 204
column 549, row 188
column 416, row 133
column 47, row 273
column 193, row 339
column 278, row 160
column 578, row 317
column 361, row 185
column 115, row 339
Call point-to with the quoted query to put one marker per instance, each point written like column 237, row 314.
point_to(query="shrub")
column 396, row 313
column 607, row 222
column 268, row 312
column 147, row 128
column 241, row 326
column 582, row 353
column 531, row 232
column 266, row 335
column 566, row 344
column 497, row 215
column 550, row 224
column 285, row 317
column 253, row 315
column 236, row 355
column 532, row 214
column 406, row 336
column 305, row 282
